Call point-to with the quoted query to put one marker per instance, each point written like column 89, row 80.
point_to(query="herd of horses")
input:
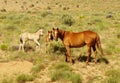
column 69, row 39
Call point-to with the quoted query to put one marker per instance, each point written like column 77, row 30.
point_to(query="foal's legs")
column 89, row 54
column 95, row 53
column 21, row 46
column 38, row 44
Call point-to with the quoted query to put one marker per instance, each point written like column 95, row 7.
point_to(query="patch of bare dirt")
column 13, row 68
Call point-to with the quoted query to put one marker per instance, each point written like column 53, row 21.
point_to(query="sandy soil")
column 13, row 68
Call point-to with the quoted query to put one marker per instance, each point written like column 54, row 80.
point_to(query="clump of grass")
column 24, row 77
column 7, row 80
column 10, row 27
column 2, row 17
column 67, row 19
column 3, row 10
column 118, row 35
column 113, row 76
column 56, row 48
column 4, row 47
column 32, row 5
column 66, row 76
column 63, row 72
column 48, row 7
column 44, row 14
column 66, row 8
column 62, row 66
column 37, row 68
column 77, row 6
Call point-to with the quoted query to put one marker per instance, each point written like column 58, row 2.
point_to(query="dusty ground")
column 14, row 68
column 93, row 71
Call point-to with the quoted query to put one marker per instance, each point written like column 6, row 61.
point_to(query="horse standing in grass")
column 30, row 36
column 49, row 37
column 80, row 39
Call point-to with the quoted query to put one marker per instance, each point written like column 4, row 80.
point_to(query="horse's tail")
column 98, row 43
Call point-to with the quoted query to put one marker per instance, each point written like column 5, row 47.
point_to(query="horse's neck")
column 62, row 34
column 37, row 33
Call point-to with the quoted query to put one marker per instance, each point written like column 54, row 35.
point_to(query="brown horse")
column 80, row 39
column 49, row 37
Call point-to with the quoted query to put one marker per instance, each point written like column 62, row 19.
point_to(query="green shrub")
column 76, row 78
column 3, row 10
column 118, row 35
column 37, row 68
column 7, row 80
column 44, row 14
column 68, row 20
column 24, row 77
column 4, row 47
column 56, row 48
column 62, row 75
column 63, row 72
column 62, row 66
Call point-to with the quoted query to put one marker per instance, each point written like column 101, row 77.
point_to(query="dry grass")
column 19, row 16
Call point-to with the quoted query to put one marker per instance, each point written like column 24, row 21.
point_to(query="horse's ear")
column 48, row 31
column 53, row 29
column 57, row 28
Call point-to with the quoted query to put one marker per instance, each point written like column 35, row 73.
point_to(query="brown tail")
column 99, row 45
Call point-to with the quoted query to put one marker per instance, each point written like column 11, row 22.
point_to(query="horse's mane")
column 37, row 30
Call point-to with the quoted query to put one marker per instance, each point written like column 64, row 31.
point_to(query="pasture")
column 37, row 66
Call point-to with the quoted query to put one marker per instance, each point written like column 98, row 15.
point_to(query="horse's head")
column 50, row 36
column 40, row 32
column 55, row 33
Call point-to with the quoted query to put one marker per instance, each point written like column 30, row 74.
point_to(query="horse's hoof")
column 73, row 61
column 87, row 63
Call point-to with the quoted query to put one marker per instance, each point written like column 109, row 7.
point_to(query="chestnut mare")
column 80, row 39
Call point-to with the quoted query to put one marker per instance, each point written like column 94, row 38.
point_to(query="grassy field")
column 37, row 66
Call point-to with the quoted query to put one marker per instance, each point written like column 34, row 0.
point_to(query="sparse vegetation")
column 4, row 47
column 63, row 72
column 37, row 68
column 7, row 80
column 113, row 76
column 68, row 20
column 101, row 16
column 24, row 77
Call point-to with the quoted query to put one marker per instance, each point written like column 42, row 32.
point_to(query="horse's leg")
column 46, row 46
column 95, row 53
column 66, row 56
column 38, row 44
column 68, row 53
column 89, row 54
column 22, row 45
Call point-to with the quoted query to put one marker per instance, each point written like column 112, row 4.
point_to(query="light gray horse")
column 30, row 36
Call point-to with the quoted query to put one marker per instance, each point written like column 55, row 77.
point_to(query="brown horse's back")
column 80, row 39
